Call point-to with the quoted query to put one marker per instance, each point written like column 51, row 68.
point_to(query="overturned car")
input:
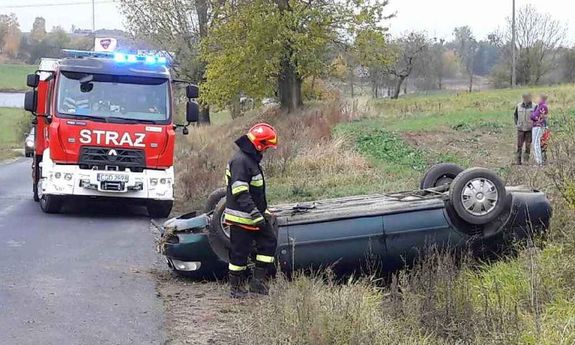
column 454, row 209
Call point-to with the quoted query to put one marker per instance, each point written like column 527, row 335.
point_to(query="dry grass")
column 527, row 299
column 309, row 160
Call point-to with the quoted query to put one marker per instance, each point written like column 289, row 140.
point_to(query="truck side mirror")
column 192, row 91
column 192, row 112
column 30, row 101
column 32, row 80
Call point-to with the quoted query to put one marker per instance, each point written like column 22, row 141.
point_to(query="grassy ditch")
column 331, row 150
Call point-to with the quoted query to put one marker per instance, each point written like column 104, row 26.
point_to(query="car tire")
column 51, row 204
column 478, row 196
column 440, row 174
column 160, row 209
column 214, row 199
column 218, row 232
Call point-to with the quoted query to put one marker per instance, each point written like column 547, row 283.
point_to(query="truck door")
column 344, row 245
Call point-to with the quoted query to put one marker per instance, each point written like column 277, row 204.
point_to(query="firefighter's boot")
column 259, row 282
column 238, row 285
column 518, row 157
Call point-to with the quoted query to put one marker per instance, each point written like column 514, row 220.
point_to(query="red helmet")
column 263, row 136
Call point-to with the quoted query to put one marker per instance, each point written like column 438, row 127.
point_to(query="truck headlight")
column 68, row 177
column 30, row 143
column 58, row 175
column 153, row 182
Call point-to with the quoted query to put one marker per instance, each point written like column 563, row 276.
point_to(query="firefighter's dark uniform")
column 246, row 213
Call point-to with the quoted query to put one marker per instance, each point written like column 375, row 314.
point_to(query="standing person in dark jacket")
column 247, row 213
column 524, row 126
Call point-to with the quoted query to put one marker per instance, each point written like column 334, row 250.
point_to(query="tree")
column 408, row 52
column 467, row 48
column 38, row 32
column 539, row 37
column 265, row 47
column 175, row 26
column 567, row 63
column 9, row 30
column 438, row 63
column 372, row 51
column 487, row 57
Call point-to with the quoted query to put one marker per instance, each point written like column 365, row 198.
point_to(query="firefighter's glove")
column 270, row 217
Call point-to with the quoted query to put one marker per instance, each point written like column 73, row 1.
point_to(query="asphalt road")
column 83, row 277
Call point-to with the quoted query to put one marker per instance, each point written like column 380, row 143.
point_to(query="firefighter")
column 247, row 214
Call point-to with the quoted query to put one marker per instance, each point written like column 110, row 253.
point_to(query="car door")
column 409, row 235
column 344, row 245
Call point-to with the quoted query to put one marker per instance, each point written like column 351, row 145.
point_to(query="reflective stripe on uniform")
column 265, row 258
column 236, row 268
column 239, row 187
column 257, row 181
column 242, row 220
column 228, row 175
column 238, row 213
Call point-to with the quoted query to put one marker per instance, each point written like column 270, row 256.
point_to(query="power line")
column 59, row 4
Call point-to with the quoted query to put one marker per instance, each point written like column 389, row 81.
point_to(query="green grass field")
column 13, row 77
column 13, row 125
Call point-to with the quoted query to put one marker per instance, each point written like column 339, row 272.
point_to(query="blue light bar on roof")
column 133, row 58
column 149, row 59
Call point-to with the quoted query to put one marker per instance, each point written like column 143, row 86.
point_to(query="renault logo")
column 112, row 152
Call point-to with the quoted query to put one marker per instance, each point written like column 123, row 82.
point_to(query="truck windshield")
column 113, row 98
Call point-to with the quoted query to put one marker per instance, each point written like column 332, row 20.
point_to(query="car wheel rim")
column 479, row 196
column 225, row 227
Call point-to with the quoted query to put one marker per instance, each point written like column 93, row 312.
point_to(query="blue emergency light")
column 119, row 57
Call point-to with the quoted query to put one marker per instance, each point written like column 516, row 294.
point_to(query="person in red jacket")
column 247, row 213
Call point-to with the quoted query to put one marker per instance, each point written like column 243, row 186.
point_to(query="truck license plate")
column 112, row 178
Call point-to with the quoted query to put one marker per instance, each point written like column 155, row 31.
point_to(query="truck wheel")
column 439, row 175
column 160, row 209
column 478, row 196
column 214, row 199
column 51, row 203
column 219, row 233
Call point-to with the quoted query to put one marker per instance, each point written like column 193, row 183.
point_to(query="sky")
column 436, row 17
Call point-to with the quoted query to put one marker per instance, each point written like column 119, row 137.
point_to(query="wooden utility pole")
column 513, row 50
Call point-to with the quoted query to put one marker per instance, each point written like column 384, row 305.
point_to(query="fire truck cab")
column 104, row 129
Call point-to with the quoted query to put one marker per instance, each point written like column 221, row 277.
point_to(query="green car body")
column 350, row 234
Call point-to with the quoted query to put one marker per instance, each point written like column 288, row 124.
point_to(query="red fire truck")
column 104, row 129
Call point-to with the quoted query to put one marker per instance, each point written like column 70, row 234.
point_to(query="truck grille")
column 102, row 157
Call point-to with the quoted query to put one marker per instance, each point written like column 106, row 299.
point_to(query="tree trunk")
column 202, row 12
column 471, row 82
column 289, row 86
column 235, row 109
column 397, row 90
column 351, row 90
column 204, row 117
